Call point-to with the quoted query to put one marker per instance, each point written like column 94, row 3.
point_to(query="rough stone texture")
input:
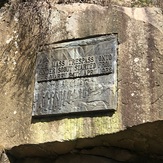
column 139, row 65
column 125, row 3
column 142, row 145
column 140, row 80
column 3, row 156
column 136, row 144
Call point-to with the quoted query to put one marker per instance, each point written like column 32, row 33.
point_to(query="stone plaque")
column 77, row 76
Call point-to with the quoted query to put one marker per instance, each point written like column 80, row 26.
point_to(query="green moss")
column 142, row 3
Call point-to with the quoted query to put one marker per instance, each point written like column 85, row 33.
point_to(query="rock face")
column 139, row 79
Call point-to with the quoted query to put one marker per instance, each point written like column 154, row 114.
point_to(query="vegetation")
column 145, row 3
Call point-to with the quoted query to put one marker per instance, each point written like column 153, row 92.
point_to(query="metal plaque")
column 77, row 76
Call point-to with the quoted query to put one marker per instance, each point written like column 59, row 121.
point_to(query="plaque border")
column 82, row 42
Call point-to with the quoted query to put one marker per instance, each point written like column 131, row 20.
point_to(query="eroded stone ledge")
column 136, row 144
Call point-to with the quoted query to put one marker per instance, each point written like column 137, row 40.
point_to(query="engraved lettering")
column 76, row 77
column 84, row 66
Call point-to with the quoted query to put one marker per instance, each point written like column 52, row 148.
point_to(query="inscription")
column 52, row 69
column 82, row 94
column 76, row 76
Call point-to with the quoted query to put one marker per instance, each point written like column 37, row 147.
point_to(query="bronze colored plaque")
column 77, row 76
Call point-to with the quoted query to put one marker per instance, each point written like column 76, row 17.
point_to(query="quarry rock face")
column 134, row 90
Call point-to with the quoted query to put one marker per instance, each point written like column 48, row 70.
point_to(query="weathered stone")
column 4, row 158
column 136, row 143
column 140, row 80
column 136, row 64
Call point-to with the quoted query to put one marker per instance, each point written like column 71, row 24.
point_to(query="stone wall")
column 139, row 30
